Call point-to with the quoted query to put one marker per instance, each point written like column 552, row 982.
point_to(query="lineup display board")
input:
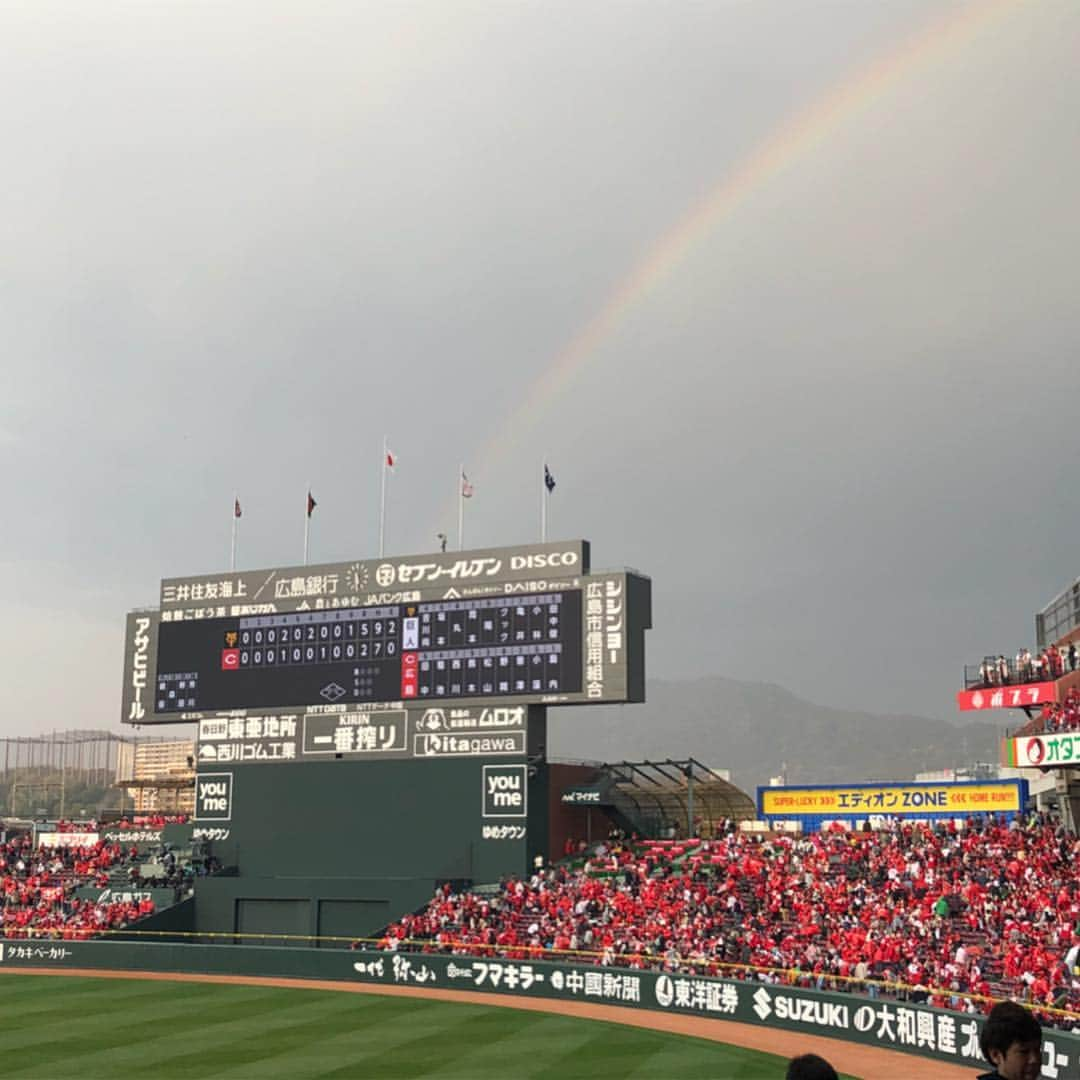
column 425, row 650
column 529, row 624
column 945, row 799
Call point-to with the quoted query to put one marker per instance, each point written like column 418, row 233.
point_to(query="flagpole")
column 543, row 503
column 382, row 501
column 232, row 557
column 461, row 507
column 307, row 521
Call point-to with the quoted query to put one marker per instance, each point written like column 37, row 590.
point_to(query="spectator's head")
column 1011, row 1041
column 810, row 1067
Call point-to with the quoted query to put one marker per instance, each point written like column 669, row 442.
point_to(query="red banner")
column 1007, row 697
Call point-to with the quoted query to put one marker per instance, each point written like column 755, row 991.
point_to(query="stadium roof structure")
column 675, row 794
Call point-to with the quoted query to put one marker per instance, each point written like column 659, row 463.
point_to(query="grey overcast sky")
column 833, row 414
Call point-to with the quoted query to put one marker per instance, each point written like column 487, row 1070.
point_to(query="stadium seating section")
column 985, row 910
column 50, row 892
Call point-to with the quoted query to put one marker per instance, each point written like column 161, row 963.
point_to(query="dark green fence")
column 917, row 1029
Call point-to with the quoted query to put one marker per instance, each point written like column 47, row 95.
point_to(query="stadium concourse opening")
column 665, row 799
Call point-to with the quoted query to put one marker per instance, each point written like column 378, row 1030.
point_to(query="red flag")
column 237, row 512
column 391, row 458
column 311, row 504
column 466, row 488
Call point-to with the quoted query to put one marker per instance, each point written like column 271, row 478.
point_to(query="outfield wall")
column 932, row 1033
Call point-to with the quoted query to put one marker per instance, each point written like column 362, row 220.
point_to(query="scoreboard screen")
column 428, row 650
column 521, row 625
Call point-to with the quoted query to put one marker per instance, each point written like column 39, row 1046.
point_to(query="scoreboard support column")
column 538, row 825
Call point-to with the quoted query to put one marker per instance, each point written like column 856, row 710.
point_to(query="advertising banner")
column 940, row 1034
column 67, row 839
column 1043, row 751
column 368, row 582
column 1007, row 697
column 947, row 799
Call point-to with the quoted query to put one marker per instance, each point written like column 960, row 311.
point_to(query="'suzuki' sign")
column 1007, row 697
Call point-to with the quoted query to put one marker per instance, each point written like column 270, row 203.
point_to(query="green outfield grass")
column 57, row 1028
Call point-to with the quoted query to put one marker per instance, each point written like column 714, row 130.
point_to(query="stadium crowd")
column 1050, row 664
column 1054, row 717
column 1062, row 716
column 39, row 886
column 953, row 914
column 138, row 821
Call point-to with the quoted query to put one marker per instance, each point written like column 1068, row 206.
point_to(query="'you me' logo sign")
column 213, row 796
column 505, row 791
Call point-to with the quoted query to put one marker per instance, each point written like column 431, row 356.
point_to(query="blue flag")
column 549, row 480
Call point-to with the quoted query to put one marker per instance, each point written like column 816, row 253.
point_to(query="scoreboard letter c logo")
column 230, row 659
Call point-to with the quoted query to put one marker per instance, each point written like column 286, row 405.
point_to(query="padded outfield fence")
column 917, row 1029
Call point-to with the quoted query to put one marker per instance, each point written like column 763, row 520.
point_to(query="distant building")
column 161, row 774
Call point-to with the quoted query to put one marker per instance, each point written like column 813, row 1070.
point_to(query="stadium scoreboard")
column 528, row 625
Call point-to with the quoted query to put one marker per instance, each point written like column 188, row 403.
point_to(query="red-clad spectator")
column 38, row 887
column 990, row 909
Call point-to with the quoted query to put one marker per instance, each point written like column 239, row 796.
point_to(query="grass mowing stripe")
column 27, row 995
column 459, row 1030
column 233, row 1032
column 361, row 1034
column 154, row 1022
column 272, row 1046
column 616, row 1050
column 527, row 1047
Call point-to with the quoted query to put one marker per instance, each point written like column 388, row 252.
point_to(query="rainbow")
column 800, row 134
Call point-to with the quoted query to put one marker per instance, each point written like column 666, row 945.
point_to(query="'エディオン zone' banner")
column 945, row 799
column 917, row 1029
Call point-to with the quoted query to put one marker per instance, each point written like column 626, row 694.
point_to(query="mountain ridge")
column 759, row 730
